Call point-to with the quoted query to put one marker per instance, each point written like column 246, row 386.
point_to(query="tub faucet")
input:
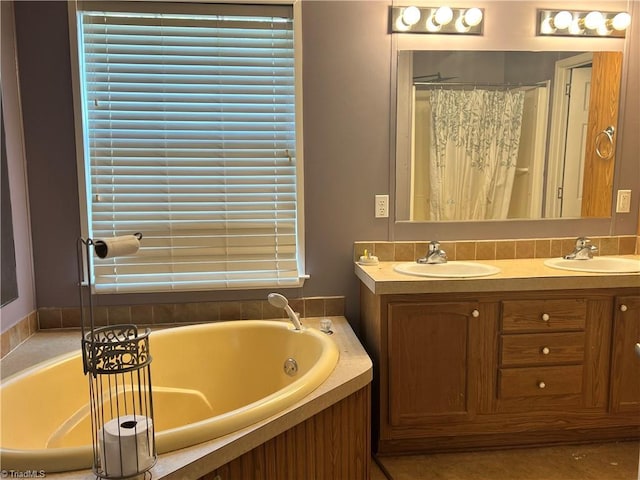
column 280, row 301
column 435, row 254
column 584, row 250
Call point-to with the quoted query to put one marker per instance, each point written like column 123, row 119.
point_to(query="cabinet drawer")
column 542, row 348
column 543, row 315
column 538, row 381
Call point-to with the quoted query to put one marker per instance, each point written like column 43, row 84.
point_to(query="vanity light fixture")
column 582, row 23
column 442, row 19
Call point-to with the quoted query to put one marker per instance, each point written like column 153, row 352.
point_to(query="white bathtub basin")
column 596, row 265
column 455, row 269
column 208, row 380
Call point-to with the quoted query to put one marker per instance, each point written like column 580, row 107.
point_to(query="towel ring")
column 608, row 134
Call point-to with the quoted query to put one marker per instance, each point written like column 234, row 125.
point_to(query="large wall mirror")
column 501, row 135
column 9, row 280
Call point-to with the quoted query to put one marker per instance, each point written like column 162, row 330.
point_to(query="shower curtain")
column 474, row 142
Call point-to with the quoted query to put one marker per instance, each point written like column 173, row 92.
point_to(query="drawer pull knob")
column 545, row 317
column 545, row 350
column 623, row 308
column 542, row 385
column 475, row 314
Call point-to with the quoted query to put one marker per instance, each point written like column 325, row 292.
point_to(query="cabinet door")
column 430, row 367
column 625, row 363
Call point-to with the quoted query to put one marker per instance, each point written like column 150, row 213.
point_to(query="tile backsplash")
column 183, row 313
column 18, row 333
column 166, row 314
column 495, row 249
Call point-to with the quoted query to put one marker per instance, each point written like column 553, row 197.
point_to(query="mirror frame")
column 496, row 36
column 552, row 74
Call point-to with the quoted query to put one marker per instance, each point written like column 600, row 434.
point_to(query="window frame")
column 80, row 119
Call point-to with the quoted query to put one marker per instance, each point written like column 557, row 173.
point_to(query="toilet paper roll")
column 126, row 445
column 116, row 246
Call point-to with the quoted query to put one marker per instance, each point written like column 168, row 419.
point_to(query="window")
column 189, row 137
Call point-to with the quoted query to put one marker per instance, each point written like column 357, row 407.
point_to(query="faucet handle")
column 582, row 242
column 585, row 243
column 434, row 246
column 584, row 250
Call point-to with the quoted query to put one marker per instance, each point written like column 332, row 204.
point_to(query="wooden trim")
column 598, row 173
column 333, row 444
column 494, row 441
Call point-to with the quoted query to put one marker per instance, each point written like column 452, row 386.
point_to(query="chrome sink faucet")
column 434, row 255
column 584, row 250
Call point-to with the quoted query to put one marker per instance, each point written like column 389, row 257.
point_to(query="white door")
column 576, row 141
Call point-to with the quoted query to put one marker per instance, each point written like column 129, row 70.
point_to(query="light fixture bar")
column 437, row 20
column 581, row 23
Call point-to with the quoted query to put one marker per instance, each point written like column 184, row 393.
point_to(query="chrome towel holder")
column 608, row 134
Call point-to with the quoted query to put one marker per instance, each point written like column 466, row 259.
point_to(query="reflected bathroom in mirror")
column 500, row 135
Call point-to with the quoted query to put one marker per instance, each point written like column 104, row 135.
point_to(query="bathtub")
column 208, row 380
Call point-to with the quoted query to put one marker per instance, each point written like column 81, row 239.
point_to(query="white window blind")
column 190, row 139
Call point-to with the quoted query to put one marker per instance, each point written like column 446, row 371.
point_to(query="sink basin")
column 596, row 265
column 447, row 270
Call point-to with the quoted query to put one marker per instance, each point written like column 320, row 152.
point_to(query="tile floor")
column 607, row 461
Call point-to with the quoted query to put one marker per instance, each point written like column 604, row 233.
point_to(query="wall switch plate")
column 623, row 205
column 382, row 206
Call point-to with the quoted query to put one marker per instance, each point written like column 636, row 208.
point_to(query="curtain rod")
column 476, row 84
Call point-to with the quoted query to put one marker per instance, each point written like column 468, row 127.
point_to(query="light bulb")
column 443, row 15
column 546, row 27
column 473, row 17
column 593, row 20
column 461, row 27
column 401, row 26
column 431, row 26
column 562, row 20
column 410, row 16
column 621, row 21
column 575, row 28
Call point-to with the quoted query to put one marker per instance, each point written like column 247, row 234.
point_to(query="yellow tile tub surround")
column 495, row 249
column 190, row 406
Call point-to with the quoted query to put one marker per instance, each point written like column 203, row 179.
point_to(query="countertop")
column 352, row 372
column 515, row 275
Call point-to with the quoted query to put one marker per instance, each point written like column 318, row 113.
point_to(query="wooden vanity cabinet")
column 432, row 363
column 464, row 371
column 430, row 376
column 553, row 354
column 625, row 361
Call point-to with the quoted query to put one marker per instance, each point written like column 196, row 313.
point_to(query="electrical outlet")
column 623, row 205
column 382, row 206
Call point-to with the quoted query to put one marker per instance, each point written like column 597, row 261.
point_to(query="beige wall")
column 348, row 98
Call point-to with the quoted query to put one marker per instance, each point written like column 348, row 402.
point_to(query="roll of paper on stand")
column 117, row 246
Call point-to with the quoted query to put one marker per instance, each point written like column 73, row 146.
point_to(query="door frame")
column 557, row 138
